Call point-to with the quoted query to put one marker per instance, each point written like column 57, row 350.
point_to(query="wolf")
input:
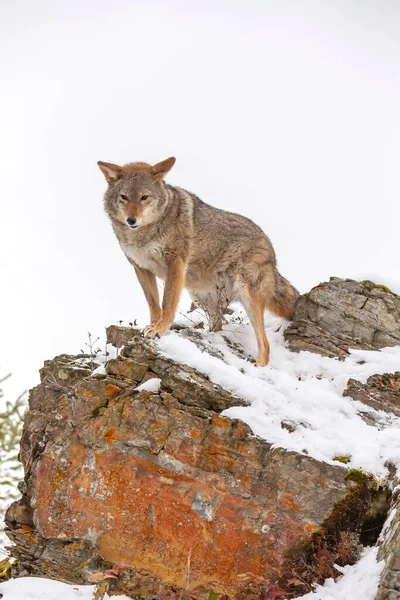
column 218, row 256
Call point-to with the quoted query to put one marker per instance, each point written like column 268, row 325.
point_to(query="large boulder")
column 342, row 314
column 158, row 480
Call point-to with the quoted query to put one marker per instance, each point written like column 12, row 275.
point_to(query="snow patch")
column 100, row 370
column 358, row 582
column 36, row 588
column 151, row 385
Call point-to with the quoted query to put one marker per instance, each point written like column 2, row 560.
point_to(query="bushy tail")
column 284, row 299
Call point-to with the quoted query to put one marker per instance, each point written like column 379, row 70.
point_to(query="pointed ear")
column 111, row 172
column 161, row 169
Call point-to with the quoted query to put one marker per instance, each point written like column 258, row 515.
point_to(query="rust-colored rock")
column 161, row 481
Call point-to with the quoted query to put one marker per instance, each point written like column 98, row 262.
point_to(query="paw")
column 155, row 330
column 262, row 359
column 151, row 331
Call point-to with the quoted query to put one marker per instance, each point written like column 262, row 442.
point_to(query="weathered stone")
column 21, row 513
column 192, row 388
column 141, row 350
column 58, row 377
column 160, row 480
column 64, row 371
column 343, row 314
column 381, row 392
column 119, row 336
column 127, row 368
column 389, row 551
column 149, row 375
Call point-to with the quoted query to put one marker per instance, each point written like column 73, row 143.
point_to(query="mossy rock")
column 336, row 542
column 344, row 459
column 5, row 569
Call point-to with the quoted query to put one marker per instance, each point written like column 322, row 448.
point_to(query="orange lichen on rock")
column 113, row 389
column 110, row 435
column 160, row 479
column 287, row 501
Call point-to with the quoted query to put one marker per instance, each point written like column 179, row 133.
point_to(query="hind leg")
column 253, row 303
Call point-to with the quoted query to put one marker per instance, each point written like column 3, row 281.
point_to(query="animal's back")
column 222, row 240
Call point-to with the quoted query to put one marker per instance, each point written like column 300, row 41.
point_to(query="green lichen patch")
column 5, row 569
column 344, row 459
column 384, row 288
column 358, row 476
column 370, row 285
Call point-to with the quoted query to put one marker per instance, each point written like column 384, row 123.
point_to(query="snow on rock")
column 358, row 582
column 100, row 370
column 151, row 385
column 302, row 389
column 37, row 588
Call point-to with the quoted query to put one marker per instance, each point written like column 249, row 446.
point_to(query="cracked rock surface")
column 342, row 314
column 389, row 552
column 160, row 480
column 382, row 392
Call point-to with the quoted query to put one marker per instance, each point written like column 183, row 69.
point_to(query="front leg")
column 172, row 292
column 149, row 286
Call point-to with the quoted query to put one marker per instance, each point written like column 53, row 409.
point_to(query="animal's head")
column 136, row 192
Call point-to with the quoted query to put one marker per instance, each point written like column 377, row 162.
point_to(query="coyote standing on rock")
column 218, row 256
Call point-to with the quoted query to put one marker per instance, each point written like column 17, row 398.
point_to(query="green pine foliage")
column 11, row 472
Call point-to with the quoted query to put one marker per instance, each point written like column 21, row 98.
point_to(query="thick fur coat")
column 218, row 256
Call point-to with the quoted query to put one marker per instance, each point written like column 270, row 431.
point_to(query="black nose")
column 131, row 221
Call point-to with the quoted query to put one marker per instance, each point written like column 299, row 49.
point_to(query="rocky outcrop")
column 343, row 314
column 382, row 392
column 160, row 481
column 389, row 552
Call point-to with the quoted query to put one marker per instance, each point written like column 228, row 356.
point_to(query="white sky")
column 287, row 112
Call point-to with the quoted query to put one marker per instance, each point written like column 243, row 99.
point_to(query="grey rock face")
column 342, row 314
column 382, row 392
column 389, row 551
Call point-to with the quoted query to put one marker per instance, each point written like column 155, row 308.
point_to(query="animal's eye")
column 144, row 197
column 123, row 197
